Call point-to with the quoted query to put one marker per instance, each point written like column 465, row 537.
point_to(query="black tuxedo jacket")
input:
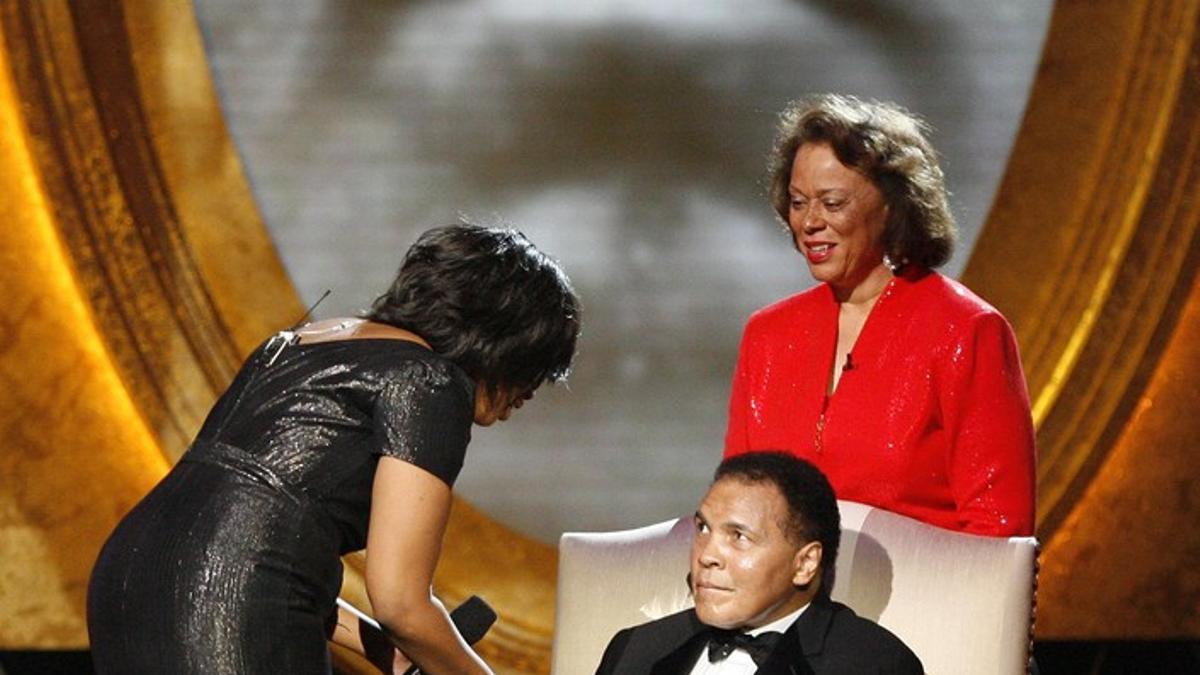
column 827, row 639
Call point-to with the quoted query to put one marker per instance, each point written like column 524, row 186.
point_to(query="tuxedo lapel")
column 685, row 649
column 804, row 640
column 680, row 661
column 681, row 641
column 812, row 626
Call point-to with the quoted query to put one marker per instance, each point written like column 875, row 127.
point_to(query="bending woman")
column 343, row 434
column 902, row 385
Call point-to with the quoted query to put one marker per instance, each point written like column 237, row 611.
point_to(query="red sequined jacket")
column 931, row 421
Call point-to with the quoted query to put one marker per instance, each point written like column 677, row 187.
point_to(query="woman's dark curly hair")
column 887, row 144
column 488, row 300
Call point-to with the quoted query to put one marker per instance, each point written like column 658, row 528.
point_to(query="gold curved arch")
column 131, row 198
column 140, row 272
column 1091, row 249
column 1086, row 244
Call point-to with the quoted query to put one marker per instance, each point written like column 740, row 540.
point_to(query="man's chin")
column 710, row 616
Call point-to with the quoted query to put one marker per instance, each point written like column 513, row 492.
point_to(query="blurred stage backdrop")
column 178, row 182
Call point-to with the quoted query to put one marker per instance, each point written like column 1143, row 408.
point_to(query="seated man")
column 762, row 561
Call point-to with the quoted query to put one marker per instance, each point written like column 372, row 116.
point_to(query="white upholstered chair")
column 963, row 603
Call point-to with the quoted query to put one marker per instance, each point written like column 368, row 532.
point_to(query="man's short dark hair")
column 812, row 504
column 488, row 300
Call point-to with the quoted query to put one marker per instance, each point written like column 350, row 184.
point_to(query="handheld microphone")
column 473, row 618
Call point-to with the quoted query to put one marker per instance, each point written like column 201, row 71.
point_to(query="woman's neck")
column 862, row 295
column 331, row 330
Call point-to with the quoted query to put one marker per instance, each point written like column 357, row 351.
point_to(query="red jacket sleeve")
column 985, row 409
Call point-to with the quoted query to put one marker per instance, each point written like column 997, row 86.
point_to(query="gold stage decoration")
column 138, row 274
column 1091, row 250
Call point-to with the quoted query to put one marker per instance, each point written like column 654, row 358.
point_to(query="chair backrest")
column 962, row 602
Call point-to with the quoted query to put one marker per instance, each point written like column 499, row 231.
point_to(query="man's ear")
column 807, row 564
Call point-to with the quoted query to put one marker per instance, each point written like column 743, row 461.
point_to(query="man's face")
column 745, row 569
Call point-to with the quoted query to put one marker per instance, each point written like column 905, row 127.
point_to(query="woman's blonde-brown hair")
column 888, row 145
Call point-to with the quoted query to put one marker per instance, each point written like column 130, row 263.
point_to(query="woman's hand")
column 380, row 651
column 364, row 638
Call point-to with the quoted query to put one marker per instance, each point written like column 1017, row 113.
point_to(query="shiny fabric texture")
column 232, row 563
column 932, row 421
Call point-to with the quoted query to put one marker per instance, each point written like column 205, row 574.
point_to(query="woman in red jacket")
column 902, row 385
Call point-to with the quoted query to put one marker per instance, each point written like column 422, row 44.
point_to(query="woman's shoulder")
column 948, row 297
column 402, row 361
column 382, row 360
column 785, row 309
column 404, row 377
column 958, row 313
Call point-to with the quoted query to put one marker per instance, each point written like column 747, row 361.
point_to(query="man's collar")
column 805, row 636
column 803, row 639
column 780, row 625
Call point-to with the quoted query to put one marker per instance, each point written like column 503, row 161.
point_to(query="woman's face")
column 497, row 406
column 837, row 217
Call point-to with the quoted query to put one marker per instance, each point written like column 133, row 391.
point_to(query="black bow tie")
column 721, row 644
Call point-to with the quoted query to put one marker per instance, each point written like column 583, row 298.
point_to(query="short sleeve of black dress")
column 423, row 416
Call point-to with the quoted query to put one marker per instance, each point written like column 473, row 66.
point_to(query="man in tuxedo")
column 762, row 560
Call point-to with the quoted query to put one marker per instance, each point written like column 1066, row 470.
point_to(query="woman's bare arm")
column 409, row 511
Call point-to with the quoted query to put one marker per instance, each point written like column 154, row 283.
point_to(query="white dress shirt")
column 739, row 661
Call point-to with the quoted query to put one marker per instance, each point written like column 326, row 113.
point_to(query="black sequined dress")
column 231, row 563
